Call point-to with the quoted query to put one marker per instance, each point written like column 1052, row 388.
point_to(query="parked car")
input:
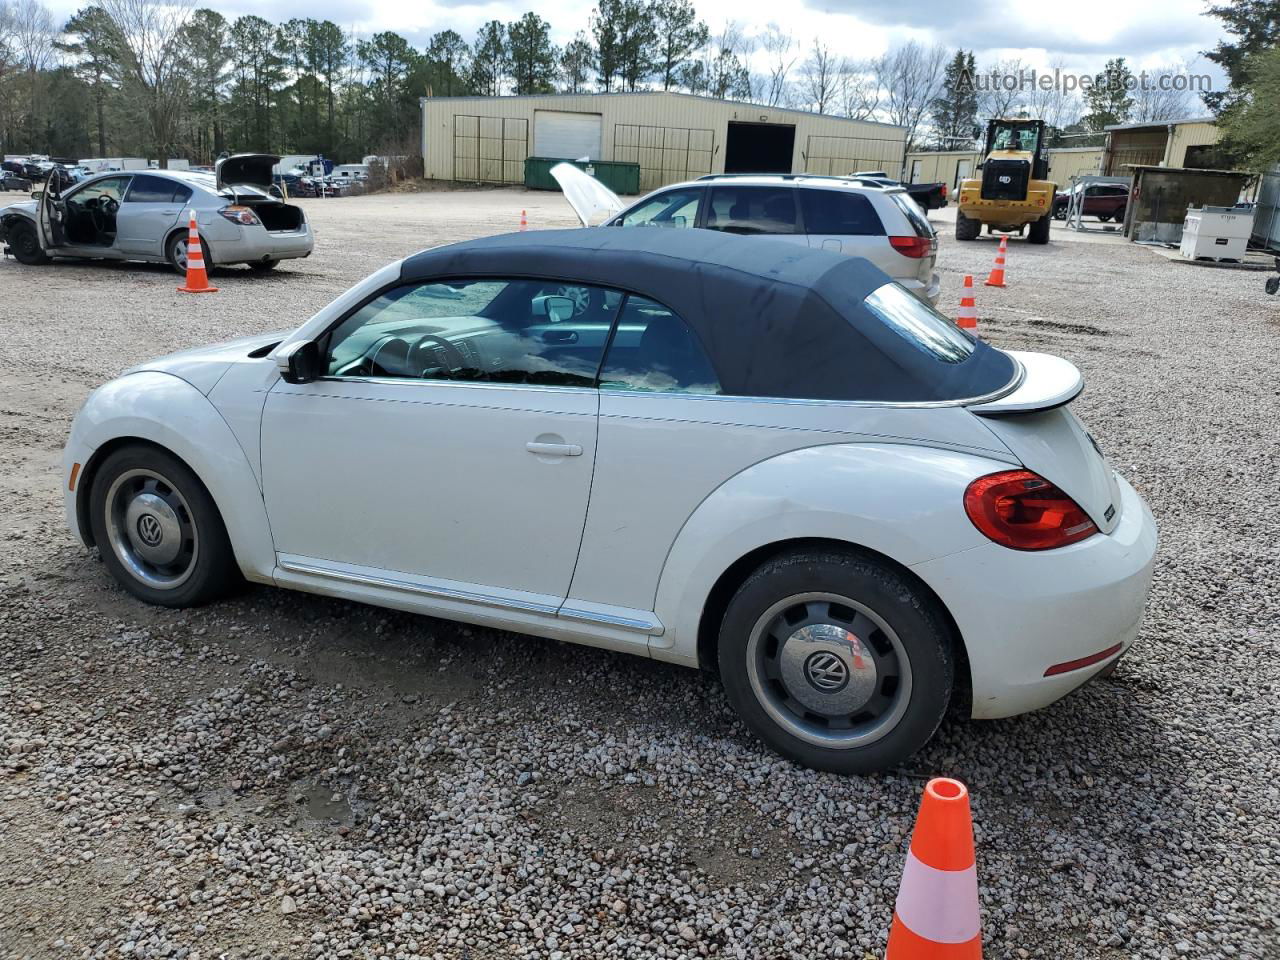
column 928, row 196
column 12, row 181
column 23, row 168
column 1106, row 201
column 867, row 220
column 714, row 451
column 143, row 215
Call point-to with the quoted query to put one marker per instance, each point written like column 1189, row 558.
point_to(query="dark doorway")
column 759, row 148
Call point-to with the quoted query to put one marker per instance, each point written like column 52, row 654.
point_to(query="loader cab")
column 1015, row 155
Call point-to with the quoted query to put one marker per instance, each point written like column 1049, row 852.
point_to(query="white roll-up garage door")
column 566, row 135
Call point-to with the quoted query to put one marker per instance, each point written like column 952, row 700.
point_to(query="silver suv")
column 859, row 217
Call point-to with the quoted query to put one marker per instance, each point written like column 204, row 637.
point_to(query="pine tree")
column 955, row 111
column 1108, row 100
column 532, row 55
column 678, row 35
column 1255, row 25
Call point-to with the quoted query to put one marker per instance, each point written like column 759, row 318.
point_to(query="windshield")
column 1015, row 138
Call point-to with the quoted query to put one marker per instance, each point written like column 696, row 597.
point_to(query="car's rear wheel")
column 158, row 530
column 836, row 660
column 176, row 252
column 25, row 244
column 1038, row 232
column 967, row 228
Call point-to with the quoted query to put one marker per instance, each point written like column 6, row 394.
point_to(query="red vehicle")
column 1106, row 201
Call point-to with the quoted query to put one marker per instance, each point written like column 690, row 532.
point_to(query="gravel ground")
column 282, row 776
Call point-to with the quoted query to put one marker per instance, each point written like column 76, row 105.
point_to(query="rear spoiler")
column 1047, row 382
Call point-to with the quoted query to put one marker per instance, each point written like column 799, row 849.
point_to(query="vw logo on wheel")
column 149, row 530
column 826, row 672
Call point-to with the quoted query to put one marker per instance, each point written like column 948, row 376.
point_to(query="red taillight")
column 1023, row 511
column 944, row 191
column 915, row 247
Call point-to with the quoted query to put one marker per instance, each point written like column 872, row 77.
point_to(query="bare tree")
column 1154, row 105
column 1051, row 103
column 1000, row 92
column 7, row 54
column 780, row 51
column 150, row 32
column 820, row 77
column 909, row 78
column 859, row 90
column 31, row 33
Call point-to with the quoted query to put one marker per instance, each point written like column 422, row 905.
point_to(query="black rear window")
column 833, row 212
column 919, row 222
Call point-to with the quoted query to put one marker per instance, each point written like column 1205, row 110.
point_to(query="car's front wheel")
column 25, row 244
column 158, row 530
column 836, row 660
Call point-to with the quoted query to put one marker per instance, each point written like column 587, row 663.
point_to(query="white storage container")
column 1216, row 233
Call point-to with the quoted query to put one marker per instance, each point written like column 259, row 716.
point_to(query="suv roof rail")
column 843, row 178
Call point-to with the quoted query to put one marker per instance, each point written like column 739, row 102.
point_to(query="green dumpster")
column 618, row 177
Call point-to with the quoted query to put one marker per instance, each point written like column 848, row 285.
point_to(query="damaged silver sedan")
column 144, row 215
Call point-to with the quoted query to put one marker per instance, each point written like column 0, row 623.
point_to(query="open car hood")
column 246, row 169
column 591, row 200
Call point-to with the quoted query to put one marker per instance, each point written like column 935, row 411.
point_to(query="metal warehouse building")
column 672, row 136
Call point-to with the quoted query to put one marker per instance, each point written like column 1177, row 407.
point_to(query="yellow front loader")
column 1013, row 194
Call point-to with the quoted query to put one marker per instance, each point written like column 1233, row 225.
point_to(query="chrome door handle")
column 553, row 449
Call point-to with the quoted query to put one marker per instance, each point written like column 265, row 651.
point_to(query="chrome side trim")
column 440, row 593
column 1018, row 377
column 651, row 626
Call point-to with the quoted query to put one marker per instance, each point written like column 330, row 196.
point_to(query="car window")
column 654, row 351
column 488, row 331
column 675, row 208
column 149, row 189
column 181, row 193
column 112, row 187
column 840, row 213
column 915, row 216
column 919, row 324
column 752, row 210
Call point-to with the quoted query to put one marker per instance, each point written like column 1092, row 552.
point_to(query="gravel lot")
column 282, row 776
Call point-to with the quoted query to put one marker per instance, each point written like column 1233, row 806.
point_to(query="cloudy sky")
column 1082, row 34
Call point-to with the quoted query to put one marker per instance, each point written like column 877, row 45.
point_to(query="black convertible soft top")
column 777, row 319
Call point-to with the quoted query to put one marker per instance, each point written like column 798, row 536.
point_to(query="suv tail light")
column 944, row 191
column 241, row 215
column 914, row 247
column 1024, row 511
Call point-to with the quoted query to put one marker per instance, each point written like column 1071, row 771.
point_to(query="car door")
column 676, row 208
column 150, row 209
column 843, row 221
column 448, row 448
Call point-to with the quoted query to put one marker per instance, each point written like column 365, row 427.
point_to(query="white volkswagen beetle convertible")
column 714, row 451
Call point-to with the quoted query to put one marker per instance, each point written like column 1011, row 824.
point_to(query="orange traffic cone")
column 967, row 317
column 524, row 222
column 936, row 917
column 197, row 279
column 996, row 279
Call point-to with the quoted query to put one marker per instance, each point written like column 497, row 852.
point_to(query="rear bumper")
column 928, row 292
column 1021, row 613
column 258, row 243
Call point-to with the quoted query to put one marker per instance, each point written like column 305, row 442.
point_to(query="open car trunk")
column 276, row 216
column 1034, row 423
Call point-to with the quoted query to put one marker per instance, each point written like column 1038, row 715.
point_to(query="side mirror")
column 555, row 309
column 300, row 362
